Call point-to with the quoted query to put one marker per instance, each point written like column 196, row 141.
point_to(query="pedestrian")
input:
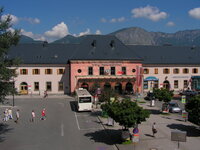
column 10, row 113
column 17, row 116
column 45, row 94
column 43, row 114
column 154, row 130
column 32, row 116
column 5, row 115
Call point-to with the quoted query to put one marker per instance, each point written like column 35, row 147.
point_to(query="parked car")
column 189, row 93
column 174, row 107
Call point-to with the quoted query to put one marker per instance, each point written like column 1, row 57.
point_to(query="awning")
column 195, row 77
column 151, row 78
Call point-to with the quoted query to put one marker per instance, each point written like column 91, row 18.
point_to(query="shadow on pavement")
column 192, row 131
column 96, row 113
column 107, row 136
column 3, row 129
column 73, row 106
column 149, row 135
column 154, row 111
column 166, row 117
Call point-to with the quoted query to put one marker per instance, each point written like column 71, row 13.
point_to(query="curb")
column 115, row 145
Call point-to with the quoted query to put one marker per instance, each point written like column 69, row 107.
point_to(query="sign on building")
column 183, row 99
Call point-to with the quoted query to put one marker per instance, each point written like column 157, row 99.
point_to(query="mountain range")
column 139, row 36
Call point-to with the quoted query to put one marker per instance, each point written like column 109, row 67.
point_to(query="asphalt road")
column 64, row 128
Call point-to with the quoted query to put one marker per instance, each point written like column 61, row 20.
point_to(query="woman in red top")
column 43, row 114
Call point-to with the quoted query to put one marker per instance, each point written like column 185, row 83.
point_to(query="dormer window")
column 112, row 44
column 94, row 43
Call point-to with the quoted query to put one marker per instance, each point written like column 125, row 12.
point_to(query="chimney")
column 112, row 44
column 45, row 43
column 94, row 44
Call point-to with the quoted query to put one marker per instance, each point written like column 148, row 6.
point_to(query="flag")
column 139, row 74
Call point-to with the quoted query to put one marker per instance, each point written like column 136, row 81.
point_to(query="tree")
column 193, row 108
column 163, row 94
column 7, row 39
column 126, row 112
column 107, row 94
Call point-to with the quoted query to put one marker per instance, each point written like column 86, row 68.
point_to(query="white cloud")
column 11, row 30
column 170, row 24
column 29, row 34
column 33, row 36
column 98, row 32
column 31, row 20
column 121, row 19
column 195, row 13
column 149, row 12
column 58, row 31
column 85, row 33
column 113, row 20
column 103, row 20
column 14, row 19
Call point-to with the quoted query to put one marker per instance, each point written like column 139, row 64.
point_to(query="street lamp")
column 13, row 92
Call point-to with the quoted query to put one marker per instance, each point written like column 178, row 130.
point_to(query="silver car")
column 174, row 107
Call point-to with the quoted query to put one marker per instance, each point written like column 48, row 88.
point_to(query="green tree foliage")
column 126, row 112
column 107, row 94
column 163, row 95
column 193, row 108
column 94, row 88
column 7, row 39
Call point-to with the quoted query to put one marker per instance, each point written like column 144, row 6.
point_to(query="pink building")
column 104, row 62
column 119, row 75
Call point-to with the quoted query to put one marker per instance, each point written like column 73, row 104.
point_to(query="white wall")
column 171, row 76
column 42, row 78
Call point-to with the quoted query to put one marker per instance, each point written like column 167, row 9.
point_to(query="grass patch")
column 104, row 116
column 165, row 114
column 141, row 102
column 127, row 142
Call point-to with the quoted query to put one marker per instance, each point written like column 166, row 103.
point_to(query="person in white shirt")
column 154, row 130
column 32, row 116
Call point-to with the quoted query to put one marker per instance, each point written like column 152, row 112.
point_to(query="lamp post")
column 13, row 92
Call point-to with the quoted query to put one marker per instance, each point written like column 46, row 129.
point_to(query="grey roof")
column 42, row 53
column 167, row 54
column 103, row 47
column 92, row 47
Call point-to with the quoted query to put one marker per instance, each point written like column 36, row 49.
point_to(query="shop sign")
column 181, row 77
column 183, row 99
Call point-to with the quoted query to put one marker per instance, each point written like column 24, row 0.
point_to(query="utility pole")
column 13, row 92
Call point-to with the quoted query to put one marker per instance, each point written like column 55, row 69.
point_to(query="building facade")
column 35, row 79
column 118, row 75
column 102, row 61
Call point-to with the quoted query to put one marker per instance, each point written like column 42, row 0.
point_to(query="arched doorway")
column 85, row 86
column 118, row 88
column 23, row 88
column 107, row 86
column 129, row 88
column 166, row 84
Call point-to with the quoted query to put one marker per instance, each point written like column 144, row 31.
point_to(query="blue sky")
column 54, row 19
